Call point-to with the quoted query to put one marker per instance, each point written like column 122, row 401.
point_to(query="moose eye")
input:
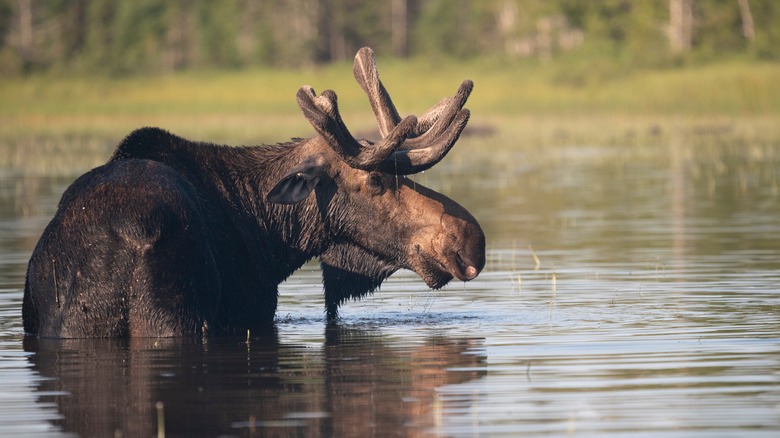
column 376, row 183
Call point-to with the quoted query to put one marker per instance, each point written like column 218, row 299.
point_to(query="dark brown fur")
column 170, row 237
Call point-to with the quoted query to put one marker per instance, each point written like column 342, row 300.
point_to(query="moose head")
column 380, row 220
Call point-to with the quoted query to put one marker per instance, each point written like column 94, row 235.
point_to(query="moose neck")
column 245, row 176
column 234, row 182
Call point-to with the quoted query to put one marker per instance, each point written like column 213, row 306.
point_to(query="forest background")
column 83, row 73
column 143, row 36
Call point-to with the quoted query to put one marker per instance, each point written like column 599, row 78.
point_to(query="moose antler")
column 367, row 76
column 408, row 145
column 323, row 114
column 436, row 131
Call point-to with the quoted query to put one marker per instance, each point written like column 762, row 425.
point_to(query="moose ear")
column 298, row 183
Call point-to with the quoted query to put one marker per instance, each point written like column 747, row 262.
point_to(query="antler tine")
column 367, row 75
column 441, row 127
column 425, row 121
column 323, row 114
column 437, row 120
column 409, row 161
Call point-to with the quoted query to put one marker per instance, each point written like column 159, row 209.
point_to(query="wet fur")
column 185, row 220
column 173, row 237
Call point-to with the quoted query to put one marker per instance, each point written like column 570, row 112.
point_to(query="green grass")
column 526, row 103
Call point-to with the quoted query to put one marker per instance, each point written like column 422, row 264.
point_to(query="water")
column 630, row 290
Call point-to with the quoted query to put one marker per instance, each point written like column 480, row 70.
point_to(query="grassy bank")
column 523, row 103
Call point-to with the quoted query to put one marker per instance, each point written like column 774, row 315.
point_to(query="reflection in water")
column 357, row 384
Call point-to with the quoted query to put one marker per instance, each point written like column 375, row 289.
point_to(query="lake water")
column 631, row 290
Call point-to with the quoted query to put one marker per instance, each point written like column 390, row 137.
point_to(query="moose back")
column 173, row 237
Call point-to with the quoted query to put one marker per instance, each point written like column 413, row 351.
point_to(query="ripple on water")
column 621, row 297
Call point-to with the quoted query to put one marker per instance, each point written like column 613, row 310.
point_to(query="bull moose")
column 173, row 237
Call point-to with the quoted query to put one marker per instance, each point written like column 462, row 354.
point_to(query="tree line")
column 126, row 37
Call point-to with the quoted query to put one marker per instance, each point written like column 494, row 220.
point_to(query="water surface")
column 630, row 290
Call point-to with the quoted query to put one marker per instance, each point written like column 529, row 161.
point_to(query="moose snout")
column 467, row 249
column 468, row 270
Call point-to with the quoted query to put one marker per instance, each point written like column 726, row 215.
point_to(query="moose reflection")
column 357, row 384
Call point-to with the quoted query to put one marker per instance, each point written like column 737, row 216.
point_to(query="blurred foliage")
column 152, row 36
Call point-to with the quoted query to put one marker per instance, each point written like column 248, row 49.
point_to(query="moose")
column 174, row 238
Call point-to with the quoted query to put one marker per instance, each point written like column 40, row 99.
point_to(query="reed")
column 160, row 407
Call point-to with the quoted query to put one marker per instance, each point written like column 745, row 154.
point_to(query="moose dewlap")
column 173, row 237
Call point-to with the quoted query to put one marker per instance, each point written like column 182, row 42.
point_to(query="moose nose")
column 470, row 240
column 467, row 269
